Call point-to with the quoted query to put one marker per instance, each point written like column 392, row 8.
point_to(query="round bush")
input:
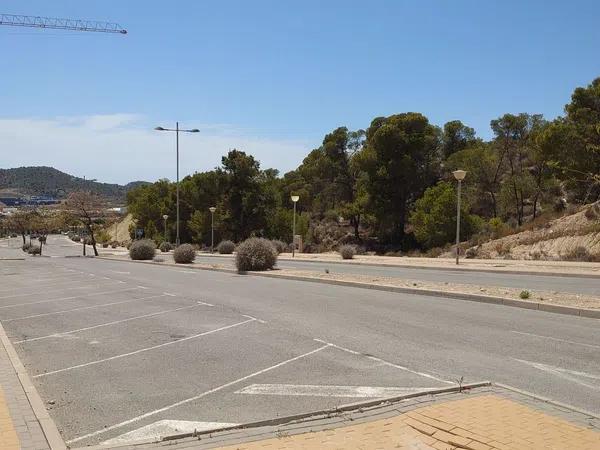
column 280, row 246
column 26, row 246
column 165, row 247
column 142, row 249
column 105, row 245
column 184, row 254
column 114, row 245
column 255, row 254
column 226, row 247
column 347, row 251
column 34, row 250
column 76, row 238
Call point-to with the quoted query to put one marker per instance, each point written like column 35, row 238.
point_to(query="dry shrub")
column 255, row 254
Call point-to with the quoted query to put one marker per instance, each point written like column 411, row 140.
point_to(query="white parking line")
column 570, row 375
column 311, row 390
column 556, row 339
column 251, row 317
column 154, row 347
column 43, row 292
column 387, row 363
column 197, row 397
column 106, row 324
column 92, row 294
column 165, row 428
column 120, row 272
column 81, row 308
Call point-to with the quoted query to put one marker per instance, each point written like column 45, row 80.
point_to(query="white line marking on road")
column 163, row 428
column 61, row 282
column 44, row 292
column 143, row 287
column 81, row 308
column 387, row 363
column 120, row 272
column 556, row 339
column 142, row 350
column 251, row 317
column 312, row 390
column 106, row 278
column 566, row 374
column 169, row 294
column 91, row 294
column 104, row 324
column 205, row 304
column 196, row 397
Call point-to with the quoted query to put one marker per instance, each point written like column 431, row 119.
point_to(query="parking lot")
column 122, row 351
column 110, row 356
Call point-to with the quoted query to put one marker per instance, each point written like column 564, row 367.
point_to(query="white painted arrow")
column 328, row 391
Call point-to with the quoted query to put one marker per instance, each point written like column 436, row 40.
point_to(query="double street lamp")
column 460, row 176
column 176, row 130
column 295, row 199
column 212, row 210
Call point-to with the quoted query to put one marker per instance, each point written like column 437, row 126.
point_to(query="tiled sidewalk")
column 19, row 426
column 489, row 418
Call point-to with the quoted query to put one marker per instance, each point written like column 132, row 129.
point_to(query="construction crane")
column 60, row 24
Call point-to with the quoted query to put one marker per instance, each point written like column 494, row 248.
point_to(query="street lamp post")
column 460, row 176
column 295, row 199
column 177, row 130
column 212, row 210
column 165, row 217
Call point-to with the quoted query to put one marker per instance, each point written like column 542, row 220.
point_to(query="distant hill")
column 52, row 182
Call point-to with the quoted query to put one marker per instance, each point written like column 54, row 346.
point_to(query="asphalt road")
column 116, row 346
column 582, row 285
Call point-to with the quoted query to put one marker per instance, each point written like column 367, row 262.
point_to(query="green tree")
column 483, row 172
column 244, row 207
column 434, row 217
column 581, row 162
column 400, row 158
column 456, row 137
column 513, row 144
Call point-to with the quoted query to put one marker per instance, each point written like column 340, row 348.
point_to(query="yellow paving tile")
column 486, row 422
column 8, row 436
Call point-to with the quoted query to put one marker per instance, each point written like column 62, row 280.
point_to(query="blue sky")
column 272, row 77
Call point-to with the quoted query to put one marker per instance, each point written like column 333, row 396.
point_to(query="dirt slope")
column 573, row 237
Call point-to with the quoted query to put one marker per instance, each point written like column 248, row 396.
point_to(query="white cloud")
column 119, row 148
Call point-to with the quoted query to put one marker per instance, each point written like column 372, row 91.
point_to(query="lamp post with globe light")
column 212, row 210
column 295, row 199
column 460, row 176
column 165, row 217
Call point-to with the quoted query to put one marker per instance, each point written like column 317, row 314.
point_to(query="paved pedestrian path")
column 489, row 418
column 19, row 427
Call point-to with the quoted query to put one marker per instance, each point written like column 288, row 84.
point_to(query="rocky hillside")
column 575, row 237
column 49, row 181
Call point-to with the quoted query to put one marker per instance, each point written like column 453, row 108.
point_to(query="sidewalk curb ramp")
column 558, row 309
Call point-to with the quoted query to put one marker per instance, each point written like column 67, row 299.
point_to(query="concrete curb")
column 55, row 440
column 286, row 419
column 548, row 400
column 558, row 309
column 424, row 267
